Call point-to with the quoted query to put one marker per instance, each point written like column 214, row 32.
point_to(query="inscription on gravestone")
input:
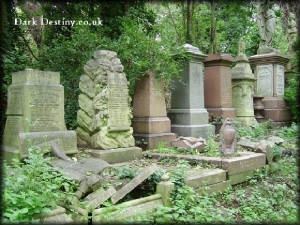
column 279, row 80
column 118, row 102
column 265, row 80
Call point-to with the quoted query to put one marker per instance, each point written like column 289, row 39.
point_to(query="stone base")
column 278, row 115
column 240, row 177
column 151, row 125
column 275, row 109
column 214, row 188
column 117, row 155
column 153, row 140
column 224, row 112
column 197, row 131
column 25, row 140
column 247, row 120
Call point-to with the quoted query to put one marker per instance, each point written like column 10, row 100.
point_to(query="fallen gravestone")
column 190, row 143
column 98, row 197
column 144, row 174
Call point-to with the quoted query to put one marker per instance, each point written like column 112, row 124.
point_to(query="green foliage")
column 124, row 172
column 212, row 148
column 258, row 131
column 33, row 187
column 291, row 91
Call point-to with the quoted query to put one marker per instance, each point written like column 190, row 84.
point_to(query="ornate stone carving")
column 228, row 138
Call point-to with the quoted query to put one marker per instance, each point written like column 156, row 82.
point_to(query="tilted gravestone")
column 35, row 113
column 104, row 117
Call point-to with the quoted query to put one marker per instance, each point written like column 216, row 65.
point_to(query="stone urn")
column 228, row 138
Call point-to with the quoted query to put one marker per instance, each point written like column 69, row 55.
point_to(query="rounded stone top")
column 165, row 177
column 195, row 52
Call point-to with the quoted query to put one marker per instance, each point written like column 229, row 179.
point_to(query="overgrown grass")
column 33, row 187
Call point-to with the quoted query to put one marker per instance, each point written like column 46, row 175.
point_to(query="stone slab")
column 33, row 76
column 68, row 138
column 97, row 198
column 214, row 188
column 248, row 161
column 240, row 177
column 117, row 155
column 81, row 169
column 190, row 158
column 144, row 174
column 153, row 140
column 264, row 83
column 120, row 215
column 274, row 103
column 202, row 177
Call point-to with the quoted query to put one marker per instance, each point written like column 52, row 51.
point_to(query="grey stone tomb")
column 35, row 113
column 188, row 116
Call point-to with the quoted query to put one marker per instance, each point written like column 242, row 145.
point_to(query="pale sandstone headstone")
column 35, row 108
column 105, row 115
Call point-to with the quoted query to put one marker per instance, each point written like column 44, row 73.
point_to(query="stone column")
column 35, row 113
column 188, row 115
column 242, row 88
column 218, row 88
column 150, row 121
column 269, row 72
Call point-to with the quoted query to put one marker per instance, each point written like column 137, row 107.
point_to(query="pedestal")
column 187, row 113
column 269, row 69
column 150, row 123
column 217, row 86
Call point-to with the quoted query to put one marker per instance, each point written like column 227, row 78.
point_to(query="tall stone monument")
column 150, row 121
column 104, row 117
column 35, row 113
column 217, row 86
column 243, row 88
column 188, row 115
column 269, row 71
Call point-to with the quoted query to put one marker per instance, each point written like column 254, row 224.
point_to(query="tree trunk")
column 183, row 15
column 213, row 43
column 189, row 22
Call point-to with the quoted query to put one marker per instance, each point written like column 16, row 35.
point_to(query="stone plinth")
column 35, row 105
column 188, row 116
column 150, row 122
column 217, row 86
column 104, row 117
column 243, row 89
column 269, row 71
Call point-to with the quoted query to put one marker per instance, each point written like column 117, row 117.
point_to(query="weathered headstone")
column 228, row 138
column 242, row 88
column 104, row 117
column 188, row 116
column 218, row 87
column 35, row 113
column 269, row 71
column 150, row 121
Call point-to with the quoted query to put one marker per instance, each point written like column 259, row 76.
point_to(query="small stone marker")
column 246, row 143
column 98, row 197
column 228, row 138
column 266, row 147
column 145, row 173
column 35, row 111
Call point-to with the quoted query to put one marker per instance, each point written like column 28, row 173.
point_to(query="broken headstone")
column 189, row 143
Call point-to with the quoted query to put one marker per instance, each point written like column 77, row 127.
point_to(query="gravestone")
column 218, row 87
column 269, row 71
column 35, row 113
column 150, row 122
column 104, row 117
column 243, row 88
column 188, row 116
